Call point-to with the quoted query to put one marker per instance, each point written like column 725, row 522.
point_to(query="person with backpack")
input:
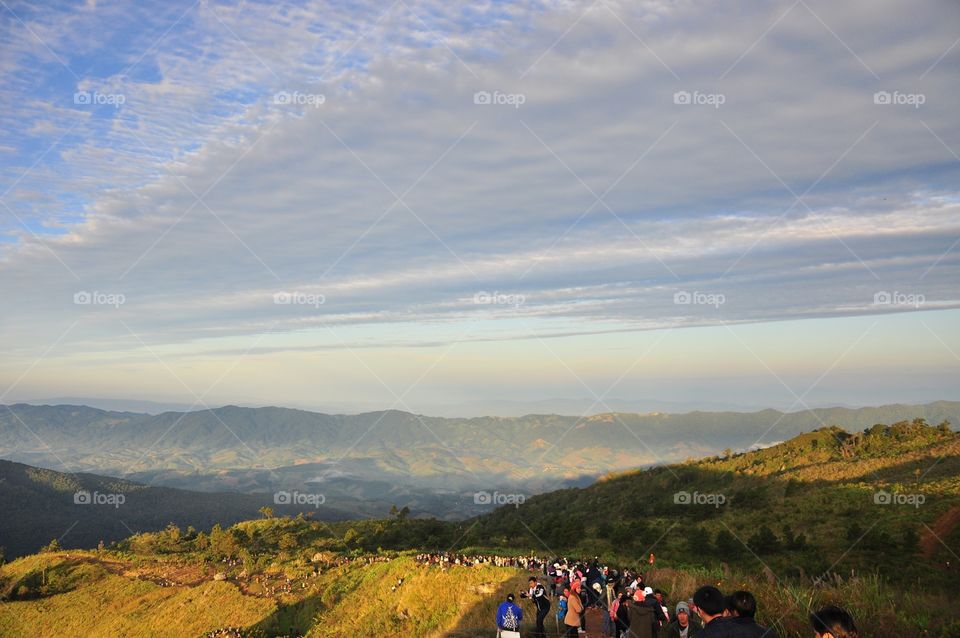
column 538, row 594
column 562, row 607
column 509, row 615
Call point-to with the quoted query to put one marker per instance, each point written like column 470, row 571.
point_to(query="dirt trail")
column 930, row 541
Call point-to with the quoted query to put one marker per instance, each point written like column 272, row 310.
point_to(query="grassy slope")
column 806, row 482
column 430, row 602
column 91, row 600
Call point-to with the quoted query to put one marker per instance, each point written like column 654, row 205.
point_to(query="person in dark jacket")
column 538, row 594
column 622, row 618
column 743, row 608
column 685, row 625
column 711, row 604
column 646, row 616
column 833, row 622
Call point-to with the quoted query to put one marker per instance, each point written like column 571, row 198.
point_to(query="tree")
column 287, row 541
column 727, row 545
column 266, row 512
column 698, row 541
column 909, row 539
column 854, row 533
column 764, row 541
column 52, row 546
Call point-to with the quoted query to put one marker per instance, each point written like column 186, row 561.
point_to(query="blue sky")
column 329, row 204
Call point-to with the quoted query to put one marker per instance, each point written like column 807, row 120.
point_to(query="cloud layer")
column 546, row 168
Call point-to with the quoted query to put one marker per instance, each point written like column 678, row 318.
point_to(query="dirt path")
column 930, row 541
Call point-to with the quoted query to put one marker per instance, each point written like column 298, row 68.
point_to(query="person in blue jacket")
column 509, row 615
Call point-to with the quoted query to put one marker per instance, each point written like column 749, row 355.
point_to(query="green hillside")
column 39, row 505
column 885, row 500
column 867, row 520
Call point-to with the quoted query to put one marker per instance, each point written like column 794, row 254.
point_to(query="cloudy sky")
column 357, row 205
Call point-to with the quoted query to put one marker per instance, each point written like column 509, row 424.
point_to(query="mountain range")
column 365, row 463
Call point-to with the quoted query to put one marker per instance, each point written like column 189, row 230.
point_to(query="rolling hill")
column 367, row 462
column 80, row 510
column 828, row 516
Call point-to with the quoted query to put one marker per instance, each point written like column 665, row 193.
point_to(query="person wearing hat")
column 509, row 615
column 684, row 625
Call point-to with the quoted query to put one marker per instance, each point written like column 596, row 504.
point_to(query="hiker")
column 710, row 605
column 685, row 625
column 509, row 615
column 645, row 615
column 833, row 622
column 742, row 607
column 622, row 613
column 552, row 578
column 658, row 594
column 538, row 594
column 571, row 619
column 562, row 606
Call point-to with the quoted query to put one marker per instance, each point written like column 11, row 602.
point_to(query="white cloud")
column 296, row 201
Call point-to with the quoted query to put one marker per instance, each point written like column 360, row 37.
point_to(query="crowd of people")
column 602, row 601
column 448, row 559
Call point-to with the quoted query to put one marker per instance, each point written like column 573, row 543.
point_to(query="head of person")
column 709, row 602
column 533, row 581
column 683, row 614
column 658, row 595
column 566, row 592
column 833, row 622
column 510, row 598
column 742, row 604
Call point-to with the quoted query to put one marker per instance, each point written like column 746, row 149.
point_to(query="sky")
column 355, row 205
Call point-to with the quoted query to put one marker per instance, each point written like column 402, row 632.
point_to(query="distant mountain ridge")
column 379, row 458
